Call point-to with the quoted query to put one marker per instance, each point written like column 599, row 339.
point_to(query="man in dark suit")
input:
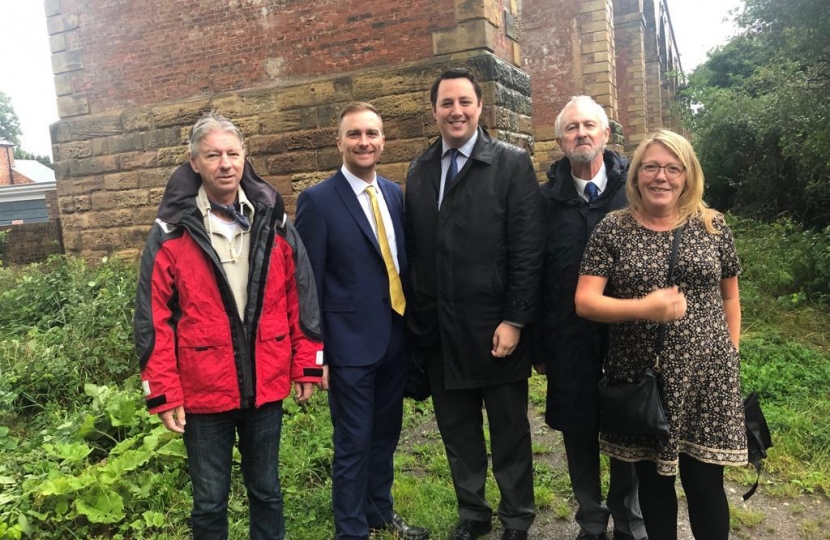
column 475, row 240
column 352, row 226
column 583, row 186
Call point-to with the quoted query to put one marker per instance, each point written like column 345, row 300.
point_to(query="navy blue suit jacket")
column 349, row 271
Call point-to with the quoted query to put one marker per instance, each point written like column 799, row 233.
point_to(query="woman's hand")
column 665, row 305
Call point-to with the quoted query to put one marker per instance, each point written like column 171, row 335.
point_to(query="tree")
column 9, row 123
column 760, row 113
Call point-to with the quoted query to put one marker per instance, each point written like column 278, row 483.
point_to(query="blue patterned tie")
column 452, row 171
column 591, row 191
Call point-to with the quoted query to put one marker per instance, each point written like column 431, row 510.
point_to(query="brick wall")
column 113, row 166
column 6, row 158
column 131, row 78
column 30, row 242
column 619, row 52
column 110, row 55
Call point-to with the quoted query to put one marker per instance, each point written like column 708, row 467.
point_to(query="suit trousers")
column 366, row 405
column 461, row 423
column 582, row 450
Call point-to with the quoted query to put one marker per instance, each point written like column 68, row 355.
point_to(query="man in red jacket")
column 226, row 322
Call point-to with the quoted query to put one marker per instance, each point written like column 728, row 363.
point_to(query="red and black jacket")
column 193, row 347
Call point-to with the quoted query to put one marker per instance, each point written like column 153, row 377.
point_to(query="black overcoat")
column 572, row 348
column 476, row 262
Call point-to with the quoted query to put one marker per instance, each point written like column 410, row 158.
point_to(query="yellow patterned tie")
column 395, row 288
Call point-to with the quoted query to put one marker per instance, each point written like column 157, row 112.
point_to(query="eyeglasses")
column 672, row 171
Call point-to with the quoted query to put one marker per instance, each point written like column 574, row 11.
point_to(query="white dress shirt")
column 601, row 180
column 359, row 187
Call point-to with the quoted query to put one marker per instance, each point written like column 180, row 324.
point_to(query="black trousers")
column 582, row 449
column 703, row 485
column 461, row 423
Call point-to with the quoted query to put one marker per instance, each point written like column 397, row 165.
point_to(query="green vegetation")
column 81, row 458
column 758, row 110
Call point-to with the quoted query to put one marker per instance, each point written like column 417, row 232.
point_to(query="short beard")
column 585, row 157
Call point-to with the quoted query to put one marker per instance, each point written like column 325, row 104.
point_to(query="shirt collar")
column 358, row 185
column 203, row 203
column 466, row 149
column 600, row 179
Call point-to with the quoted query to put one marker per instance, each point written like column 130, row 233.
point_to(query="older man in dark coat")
column 475, row 242
column 582, row 188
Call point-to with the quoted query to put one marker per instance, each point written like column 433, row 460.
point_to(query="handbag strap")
column 661, row 332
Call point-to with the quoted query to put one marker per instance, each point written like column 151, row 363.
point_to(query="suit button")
column 385, row 301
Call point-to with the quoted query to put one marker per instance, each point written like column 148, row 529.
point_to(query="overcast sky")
column 26, row 73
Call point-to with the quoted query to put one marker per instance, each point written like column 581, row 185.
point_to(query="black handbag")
column 758, row 437
column 637, row 408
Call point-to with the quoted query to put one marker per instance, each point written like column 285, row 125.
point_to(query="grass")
column 64, row 324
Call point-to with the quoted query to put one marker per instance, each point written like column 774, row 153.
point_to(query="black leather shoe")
column 619, row 535
column 514, row 534
column 401, row 530
column 470, row 529
column 600, row 536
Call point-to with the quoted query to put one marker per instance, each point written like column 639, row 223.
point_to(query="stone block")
column 122, row 180
column 593, row 5
column 73, row 150
column 229, row 105
column 249, row 126
column 179, row 114
column 308, row 95
column 106, row 200
column 62, row 23
column 281, row 183
column 403, row 151
column 305, row 140
column 93, row 165
column 167, row 157
column 57, row 43
column 100, row 239
column 137, row 160
column 292, row 162
column 52, row 7
column 478, row 9
column 374, row 85
column 151, row 178
column 394, row 171
column 284, row 121
column 90, row 126
column 465, row 36
column 329, row 158
column 300, row 181
column 402, row 106
column 162, row 138
column 68, row 60
column 63, row 84
column 137, row 119
column 258, row 102
column 265, row 144
column 73, row 105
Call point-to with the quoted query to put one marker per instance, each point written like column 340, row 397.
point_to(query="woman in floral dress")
column 623, row 281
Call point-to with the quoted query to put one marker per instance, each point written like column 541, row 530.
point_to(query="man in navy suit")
column 352, row 227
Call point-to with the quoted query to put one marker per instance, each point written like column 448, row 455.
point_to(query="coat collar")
column 560, row 185
column 180, row 194
column 482, row 151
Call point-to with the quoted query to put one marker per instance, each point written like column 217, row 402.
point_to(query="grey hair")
column 588, row 103
column 211, row 121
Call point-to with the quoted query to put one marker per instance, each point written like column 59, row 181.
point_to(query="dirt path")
column 761, row 518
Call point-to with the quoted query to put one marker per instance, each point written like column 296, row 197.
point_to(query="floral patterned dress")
column 699, row 367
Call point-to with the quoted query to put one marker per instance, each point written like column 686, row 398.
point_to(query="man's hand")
column 324, row 382
column 505, row 340
column 174, row 419
column 303, row 391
